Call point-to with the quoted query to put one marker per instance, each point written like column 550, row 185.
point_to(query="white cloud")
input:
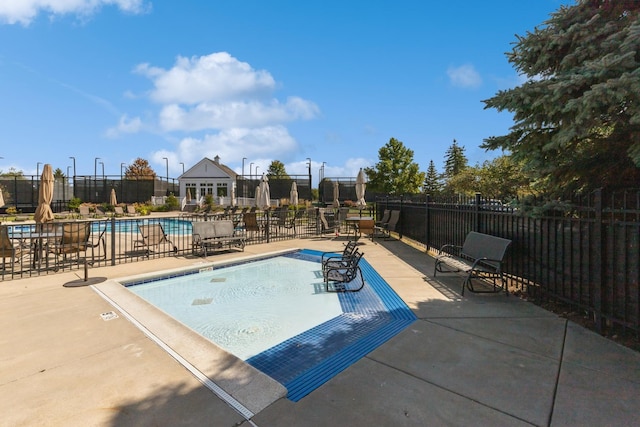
column 234, row 114
column 464, row 76
column 125, row 125
column 269, row 142
column 25, row 11
column 217, row 77
column 225, row 106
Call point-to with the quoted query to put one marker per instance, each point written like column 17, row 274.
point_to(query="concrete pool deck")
column 472, row 360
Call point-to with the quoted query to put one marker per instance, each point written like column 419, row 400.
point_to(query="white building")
column 209, row 177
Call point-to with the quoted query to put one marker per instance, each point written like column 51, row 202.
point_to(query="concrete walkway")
column 479, row 360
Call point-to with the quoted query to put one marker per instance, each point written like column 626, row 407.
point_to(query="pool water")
column 275, row 314
column 169, row 225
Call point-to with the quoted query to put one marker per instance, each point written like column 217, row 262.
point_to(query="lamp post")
column 257, row 176
column 95, row 175
column 250, row 172
column 167, row 162
column 74, row 167
column 102, row 163
column 310, row 186
column 122, row 181
column 182, row 167
column 38, row 169
column 322, row 171
column 244, row 182
column 68, row 167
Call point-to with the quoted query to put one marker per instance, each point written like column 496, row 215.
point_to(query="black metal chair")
column 342, row 278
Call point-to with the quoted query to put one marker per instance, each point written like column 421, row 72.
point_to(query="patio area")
column 472, row 360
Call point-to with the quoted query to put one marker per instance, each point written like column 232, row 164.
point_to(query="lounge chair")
column 324, row 224
column 131, row 211
column 391, row 225
column 118, row 211
column 84, row 212
column 331, row 258
column 8, row 249
column 385, row 218
column 73, row 240
column 251, row 224
column 366, row 226
column 286, row 221
column 153, row 235
column 344, row 278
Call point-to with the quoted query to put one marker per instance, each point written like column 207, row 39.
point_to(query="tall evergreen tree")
column 454, row 160
column 396, row 172
column 577, row 117
column 277, row 170
column 432, row 182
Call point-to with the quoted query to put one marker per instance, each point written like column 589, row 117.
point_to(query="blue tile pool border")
column 372, row 316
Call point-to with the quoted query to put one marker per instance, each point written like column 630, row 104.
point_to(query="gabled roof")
column 207, row 168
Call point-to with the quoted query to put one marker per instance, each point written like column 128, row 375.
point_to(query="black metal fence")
column 21, row 192
column 584, row 251
column 114, row 240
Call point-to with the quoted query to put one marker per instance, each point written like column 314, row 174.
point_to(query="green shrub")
column 74, row 203
column 172, row 203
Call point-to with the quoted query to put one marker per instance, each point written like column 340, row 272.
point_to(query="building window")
column 222, row 189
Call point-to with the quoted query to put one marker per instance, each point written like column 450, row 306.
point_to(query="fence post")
column 400, row 228
column 113, row 240
column 597, row 259
column 426, row 222
column 476, row 214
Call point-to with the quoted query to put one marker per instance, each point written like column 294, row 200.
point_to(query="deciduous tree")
column 396, row 172
column 139, row 169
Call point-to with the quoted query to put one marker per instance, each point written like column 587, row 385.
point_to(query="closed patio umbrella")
column 264, row 201
column 293, row 195
column 361, row 185
column 1, row 198
column 45, row 195
column 188, row 197
column 113, row 200
column 336, row 195
column 257, row 196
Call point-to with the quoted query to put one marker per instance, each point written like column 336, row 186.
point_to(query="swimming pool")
column 274, row 314
column 170, row 225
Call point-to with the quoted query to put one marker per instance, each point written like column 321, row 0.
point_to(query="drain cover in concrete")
column 202, row 301
column 109, row 315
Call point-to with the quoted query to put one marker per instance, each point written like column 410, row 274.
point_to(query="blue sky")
column 328, row 80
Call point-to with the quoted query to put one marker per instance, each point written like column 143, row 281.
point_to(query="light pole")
column 244, row 182
column 257, row 176
column 74, row 167
column 95, row 175
column 322, row 170
column 167, row 161
column 68, row 167
column 182, row 168
column 250, row 173
column 102, row 163
column 38, row 169
column 122, row 181
column 310, row 186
